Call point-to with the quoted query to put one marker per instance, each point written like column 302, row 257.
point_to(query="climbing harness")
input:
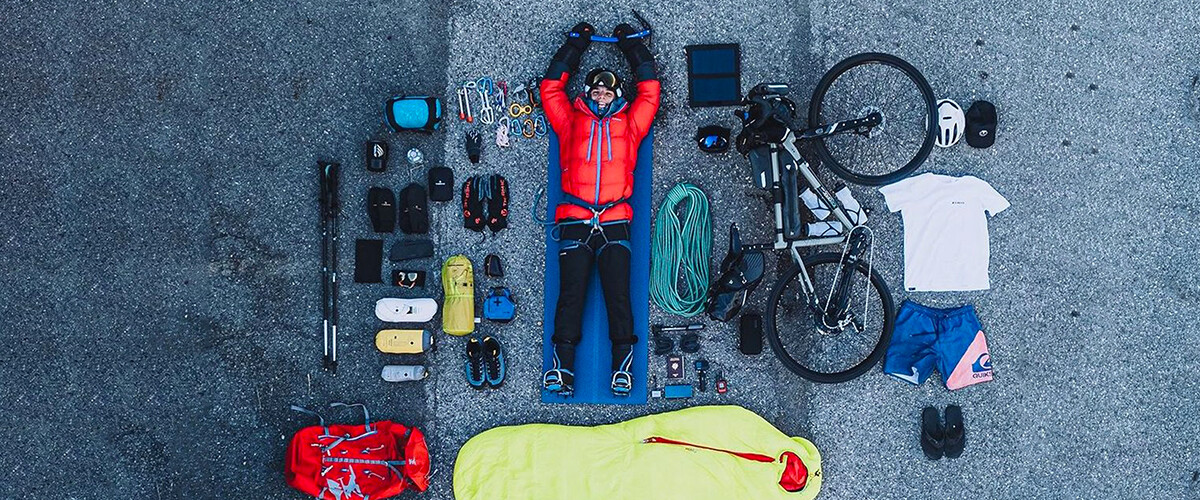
column 681, row 250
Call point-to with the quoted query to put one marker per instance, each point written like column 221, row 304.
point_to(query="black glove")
column 622, row 35
column 584, row 38
column 566, row 60
column 639, row 57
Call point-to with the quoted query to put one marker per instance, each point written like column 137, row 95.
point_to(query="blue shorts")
column 950, row 340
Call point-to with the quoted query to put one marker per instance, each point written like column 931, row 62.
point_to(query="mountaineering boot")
column 956, row 433
column 559, row 379
column 475, row 362
column 622, row 377
column 493, row 362
column 932, row 433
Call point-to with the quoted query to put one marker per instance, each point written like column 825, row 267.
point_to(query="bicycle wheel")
column 867, row 83
column 798, row 338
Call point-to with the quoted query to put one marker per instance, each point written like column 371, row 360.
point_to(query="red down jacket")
column 598, row 154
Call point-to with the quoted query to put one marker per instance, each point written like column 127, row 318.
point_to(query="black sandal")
column 955, row 433
column 932, row 433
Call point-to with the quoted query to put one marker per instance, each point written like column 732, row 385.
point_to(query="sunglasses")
column 408, row 279
column 713, row 139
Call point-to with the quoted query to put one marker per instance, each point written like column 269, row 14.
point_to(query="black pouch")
column 441, row 184
column 414, row 210
column 410, row 249
column 368, row 261
column 750, row 334
column 381, row 207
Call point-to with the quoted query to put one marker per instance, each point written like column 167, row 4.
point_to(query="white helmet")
column 951, row 123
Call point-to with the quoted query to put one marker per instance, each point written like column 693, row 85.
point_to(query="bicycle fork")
column 836, row 313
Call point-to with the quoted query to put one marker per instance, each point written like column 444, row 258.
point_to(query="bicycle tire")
column 772, row 333
column 814, row 117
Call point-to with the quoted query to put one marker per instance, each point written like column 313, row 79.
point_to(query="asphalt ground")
column 161, row 291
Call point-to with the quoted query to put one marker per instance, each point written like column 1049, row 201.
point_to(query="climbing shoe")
column 493, row 362
column 622, row 383
column 475, row 363
column 559, row 380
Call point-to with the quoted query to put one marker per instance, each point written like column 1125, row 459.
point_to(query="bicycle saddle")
column 741, row 272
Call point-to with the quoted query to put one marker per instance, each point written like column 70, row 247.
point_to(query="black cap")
column 981, row 124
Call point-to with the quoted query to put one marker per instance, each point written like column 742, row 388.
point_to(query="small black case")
column 377, row 155
column 750, row 334
column 441, row 184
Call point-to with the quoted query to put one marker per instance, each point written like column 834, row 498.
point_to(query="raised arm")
column 641, row 63
column 565, row 62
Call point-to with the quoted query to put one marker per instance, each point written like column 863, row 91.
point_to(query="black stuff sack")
column 441, row 184
column 414, row 210
column 381, row 207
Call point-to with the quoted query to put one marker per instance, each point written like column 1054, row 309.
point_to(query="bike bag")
column 356, row 462
column 423, row 113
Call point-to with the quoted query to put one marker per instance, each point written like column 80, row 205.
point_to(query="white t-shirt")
column 945, row 230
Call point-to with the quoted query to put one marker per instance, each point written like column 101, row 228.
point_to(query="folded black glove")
column 583, row 38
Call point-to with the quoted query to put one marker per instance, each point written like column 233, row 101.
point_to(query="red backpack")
column 344, row 462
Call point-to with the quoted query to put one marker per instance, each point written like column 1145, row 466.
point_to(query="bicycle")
column 814, row 322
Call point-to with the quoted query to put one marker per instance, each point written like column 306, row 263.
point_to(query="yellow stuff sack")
column 458, row 284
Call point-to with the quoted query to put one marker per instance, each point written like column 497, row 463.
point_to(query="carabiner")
column 539, row 126
column 528, row 129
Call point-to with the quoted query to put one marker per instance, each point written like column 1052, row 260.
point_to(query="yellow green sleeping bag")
column 707, row 452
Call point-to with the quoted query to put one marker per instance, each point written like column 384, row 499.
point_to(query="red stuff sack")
column 344, row 462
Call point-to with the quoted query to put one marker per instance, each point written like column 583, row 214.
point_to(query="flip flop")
column 932, row 433
column 956, row 433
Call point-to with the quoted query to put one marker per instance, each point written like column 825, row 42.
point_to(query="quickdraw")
column 502, row 132
column 464, row 102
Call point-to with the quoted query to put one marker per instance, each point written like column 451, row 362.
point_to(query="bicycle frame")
column 784, row 155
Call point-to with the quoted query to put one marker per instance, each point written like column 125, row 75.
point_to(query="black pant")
column 609, row 249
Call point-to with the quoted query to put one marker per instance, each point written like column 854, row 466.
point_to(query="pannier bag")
column 356, row 462
column 422, row 113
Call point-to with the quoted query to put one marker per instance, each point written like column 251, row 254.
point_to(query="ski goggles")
column 713, row 139
column 604, row 78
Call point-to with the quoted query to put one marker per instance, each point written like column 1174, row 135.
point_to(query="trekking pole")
column 329, row 290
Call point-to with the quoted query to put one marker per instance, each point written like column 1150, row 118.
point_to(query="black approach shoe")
column 493, row 362
column 475, row 362
column 932, row 433
column 956, row 433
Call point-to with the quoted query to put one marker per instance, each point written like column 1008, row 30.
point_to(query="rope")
column 682, row 248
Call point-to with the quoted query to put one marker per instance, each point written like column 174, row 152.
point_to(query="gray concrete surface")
column 160, row 292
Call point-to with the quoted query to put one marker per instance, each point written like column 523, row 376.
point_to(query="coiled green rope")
column 682, row 248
